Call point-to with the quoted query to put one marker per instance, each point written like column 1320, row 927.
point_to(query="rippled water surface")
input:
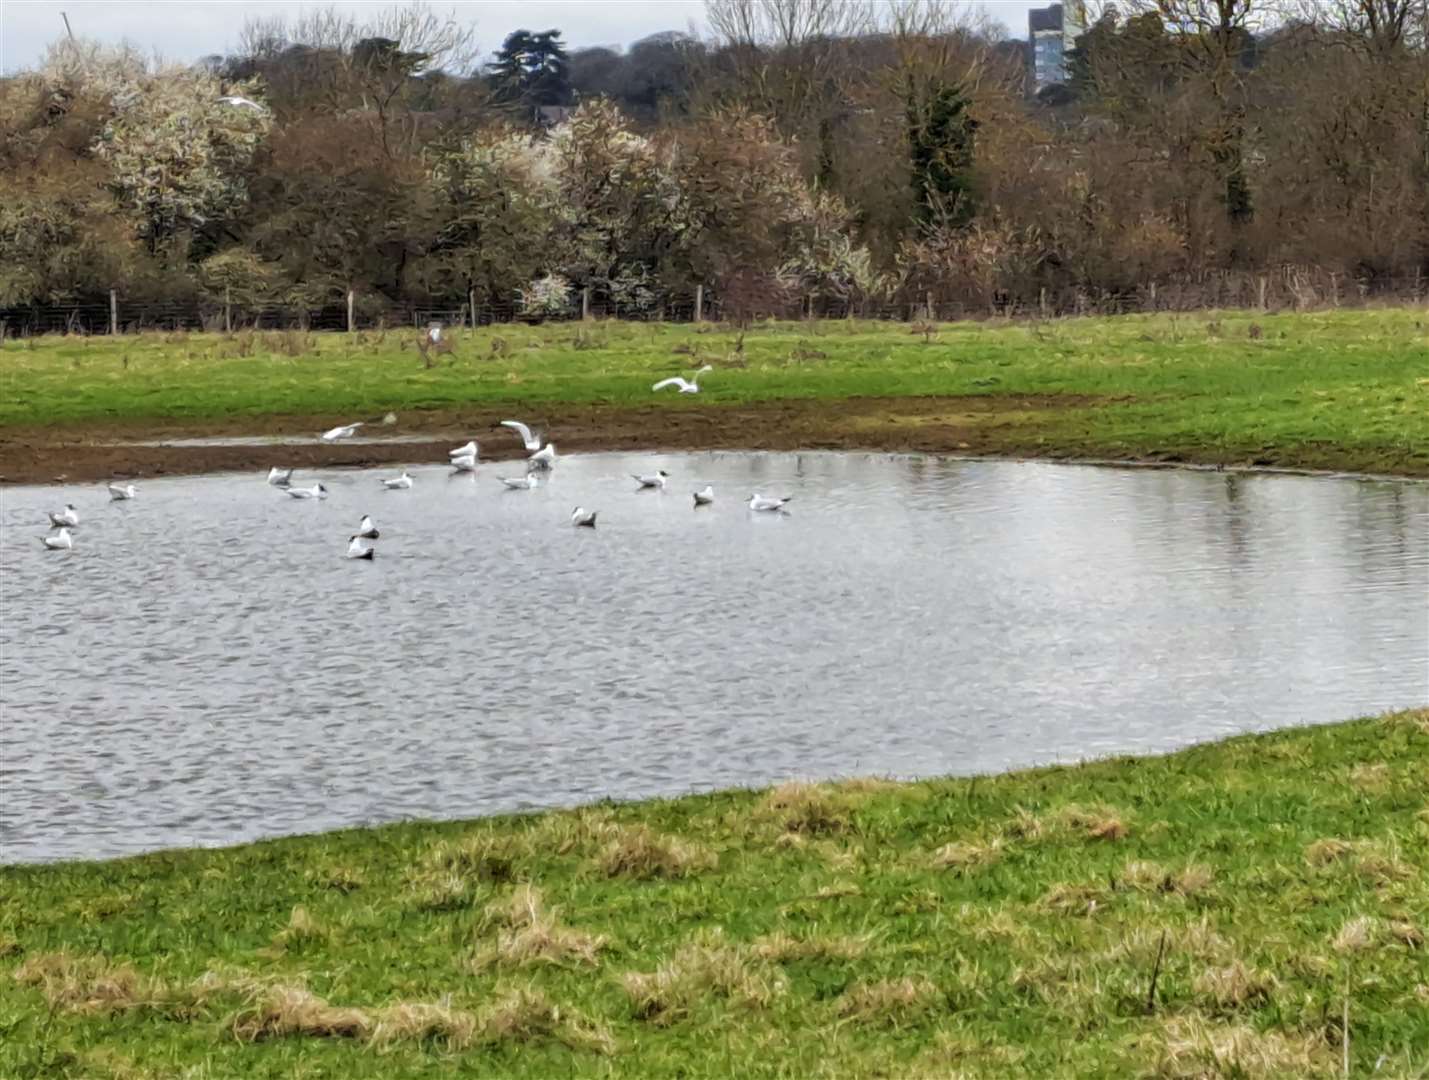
column 205, row 667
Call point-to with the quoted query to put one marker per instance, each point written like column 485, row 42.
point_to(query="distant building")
column 1052, row 33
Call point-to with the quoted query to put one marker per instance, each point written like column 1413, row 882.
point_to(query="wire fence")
column 1289, row 288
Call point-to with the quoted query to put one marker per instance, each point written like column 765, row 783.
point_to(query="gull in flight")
column 356, row 549
column 705, row 497
column 346, row 431
column 464, row 464
column 525, row 483
column 759, row 502
column 469, row 450
column 117, row 493
column 280, row 477
column 68, row 516
column 690, row 386
column 582, row 517
column 398, row 483
column 543, row 458
column 655, row 479
column 367, row 530
column 241, row 102
column 531, row 440
column 62, row 541
column 317, row 491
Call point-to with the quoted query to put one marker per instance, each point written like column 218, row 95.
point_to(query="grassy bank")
column 991, row 927
column 1341, row 389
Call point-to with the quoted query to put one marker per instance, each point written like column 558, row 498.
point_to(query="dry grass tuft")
column 1067, row 899
column 486, row 857
column 1193, row 1049
column 640, row 852
column 278, row 1011
column 1328, row 851
column 1357, row 934
column 781, row 948
column 441, row 890
column 302, row 929
column 532, row 934
column 1024, row 825
column 343, row 879
column 1094, row 822
column 1372, row 860
column 1198, row 941
column 963, row 857
column 87, row 984
column 10, row 946
column 584, row 830
column 1235, row 986
column 1153, row 877
column 890, row 1002
column 1370, row 777
column 708, row 967
column 805, row 808
column 451, row 1028
column 1406, row 933
column 526, row 1015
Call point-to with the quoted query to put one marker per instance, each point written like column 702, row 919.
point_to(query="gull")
column 469, row 450
column 434, row 334
column 525, row 483
column 60, row 542
column 691, row 386
column 241, row 102
column 367, row 530
column 582, row 517
column 705, row 497
column 117, row 493
column 543, row 458
column 280, row 477
column 759, row 502
column 347, row 431
column 464, row 464
column 68, row 516
column 398, row 483
column 655, row 479
column 356, row 549
column 530, row 439
column 317, row 491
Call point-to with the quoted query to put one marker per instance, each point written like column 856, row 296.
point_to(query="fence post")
column 1153, row 296
column 809, row 306
column 471, row 306
column 1042, row 302
column 113, row 312
column 349, row 310
column 699, row 303
column 227, row 310
column 585, row 304
column 929, row 309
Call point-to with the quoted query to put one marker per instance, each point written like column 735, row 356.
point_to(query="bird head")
column 661, row 472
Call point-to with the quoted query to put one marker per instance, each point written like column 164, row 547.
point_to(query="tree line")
column 806, row 151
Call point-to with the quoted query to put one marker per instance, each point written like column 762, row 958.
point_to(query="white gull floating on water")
column 280, row 477
column 583, row 518
column 655, row 479
column 118, row 493
column 68, row 516
column 759, row 502
column 61, row 541
column 705, row 497
column 367, row 530
column 356, row 549
column 317, row 491
column 398, row 483
column 525, row 483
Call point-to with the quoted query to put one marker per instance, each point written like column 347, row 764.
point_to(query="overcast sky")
column 188, row 29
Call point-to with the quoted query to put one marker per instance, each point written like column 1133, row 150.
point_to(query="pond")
column 206, row 668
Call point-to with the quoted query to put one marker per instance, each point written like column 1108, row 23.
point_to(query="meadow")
column 1336, row 389
column 1250, row 908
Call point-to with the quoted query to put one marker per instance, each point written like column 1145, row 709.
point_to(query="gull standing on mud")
column 119, row 494
column 583, row 518
column 531, row 440
column 690, row 386
column 346, row 431
column 317, row 491
column 759, row 502
column 68, row 516
column 280, row 477
column 655, row 479
column 705, row 497
column 525, row 483
column 367, row 530
column 356, row 549
column 61, row 541
column 398, row 483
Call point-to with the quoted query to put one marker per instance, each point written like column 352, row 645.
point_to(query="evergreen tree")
column 941, row 149
column 532, row 69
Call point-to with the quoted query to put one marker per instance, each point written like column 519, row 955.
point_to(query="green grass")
column 1344, row 388
column 1004, row 926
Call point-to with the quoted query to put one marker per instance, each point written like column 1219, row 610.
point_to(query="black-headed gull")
column 280, row 477
column 531, row 440
column 367, row 530
column 469, row 450
column 118, row 493
column 705, row 497
column 687, row 386
column 543, row 458
column 464, row 464
column 759, row 502
column 655, row 479
column 398, row 483
column 525, row 483
column 61, row 541
column 584, row 518
column 356, row 549
column 68, row 516
column 317, row 491
column 346, row 431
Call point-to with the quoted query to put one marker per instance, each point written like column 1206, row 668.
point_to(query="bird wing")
column 532, row 443
column 677, row 381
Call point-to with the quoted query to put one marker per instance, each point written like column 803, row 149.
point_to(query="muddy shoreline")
column 980, row 425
